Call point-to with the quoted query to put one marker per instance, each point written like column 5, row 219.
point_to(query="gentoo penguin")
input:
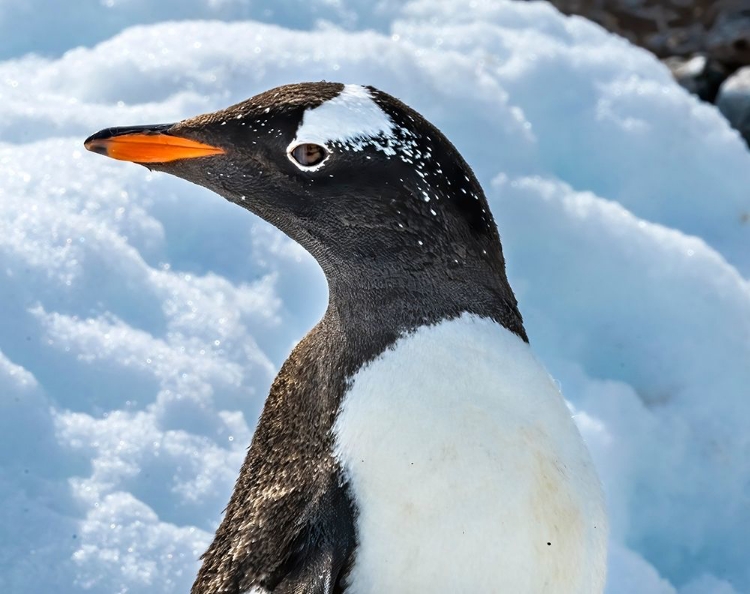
column 411, row 442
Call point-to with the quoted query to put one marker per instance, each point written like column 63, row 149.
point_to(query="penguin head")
column 359, row 179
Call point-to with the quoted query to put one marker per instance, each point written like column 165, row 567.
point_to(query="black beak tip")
column 93, row 146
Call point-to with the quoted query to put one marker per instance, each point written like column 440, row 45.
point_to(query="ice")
column 143, row 318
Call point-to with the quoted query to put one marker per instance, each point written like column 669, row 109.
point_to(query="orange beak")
column 147, row 144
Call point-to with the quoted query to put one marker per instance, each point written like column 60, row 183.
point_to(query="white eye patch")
column 352, row 118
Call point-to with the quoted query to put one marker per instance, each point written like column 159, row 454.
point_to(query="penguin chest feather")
column 467, row 471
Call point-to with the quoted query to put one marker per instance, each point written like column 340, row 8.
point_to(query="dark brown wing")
column 289, row 526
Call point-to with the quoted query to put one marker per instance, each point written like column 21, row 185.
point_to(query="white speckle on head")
column 464, row 463
column 352, row 118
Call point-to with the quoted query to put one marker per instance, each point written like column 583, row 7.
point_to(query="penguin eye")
column 309, row 155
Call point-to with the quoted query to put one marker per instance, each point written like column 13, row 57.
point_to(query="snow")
column 142, row 319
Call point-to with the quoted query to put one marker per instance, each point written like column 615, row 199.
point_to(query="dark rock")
column 700, row 75
column 718, row 29
column 701, row 41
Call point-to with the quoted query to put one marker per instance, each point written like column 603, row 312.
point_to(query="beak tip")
column 92, row 145
column 95, row 147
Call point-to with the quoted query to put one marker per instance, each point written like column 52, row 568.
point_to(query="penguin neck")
column 370, row 311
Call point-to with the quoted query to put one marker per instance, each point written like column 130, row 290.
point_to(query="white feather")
column 464, row 464
column 351, row 118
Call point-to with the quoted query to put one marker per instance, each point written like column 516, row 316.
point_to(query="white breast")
column 467, row 470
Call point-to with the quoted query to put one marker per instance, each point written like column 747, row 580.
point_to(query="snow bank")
column 46, row 28
column 143, row 318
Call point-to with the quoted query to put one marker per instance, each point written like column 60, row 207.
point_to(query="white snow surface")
column 142, row 318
